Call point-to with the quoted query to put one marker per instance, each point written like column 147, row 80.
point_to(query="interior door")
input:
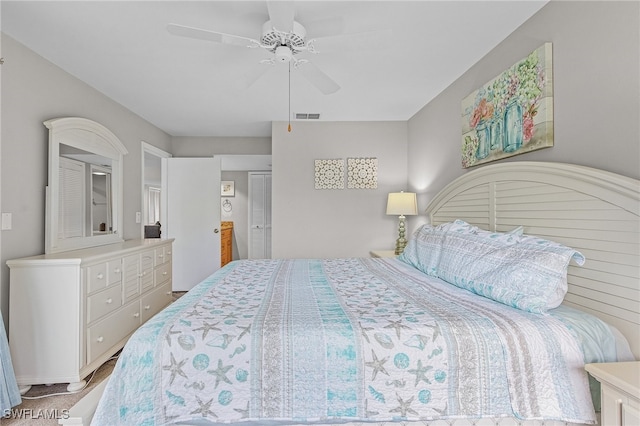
column 192, row 216
column 260, row 215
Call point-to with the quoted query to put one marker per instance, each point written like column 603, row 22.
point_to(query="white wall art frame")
column 329, row 174
column 362, row 173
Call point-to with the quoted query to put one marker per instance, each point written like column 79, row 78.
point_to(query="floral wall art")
column 511, row 114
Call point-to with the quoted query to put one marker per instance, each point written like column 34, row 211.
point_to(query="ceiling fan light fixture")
column 283, row 54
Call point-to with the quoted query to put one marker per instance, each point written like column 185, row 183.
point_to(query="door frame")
column 149, row 150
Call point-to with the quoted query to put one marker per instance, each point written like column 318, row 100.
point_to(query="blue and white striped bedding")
column 369, row 340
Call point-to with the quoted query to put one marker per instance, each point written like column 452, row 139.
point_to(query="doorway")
column 151, row 185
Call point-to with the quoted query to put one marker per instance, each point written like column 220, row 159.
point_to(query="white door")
column 192, row 216
column 259, row 215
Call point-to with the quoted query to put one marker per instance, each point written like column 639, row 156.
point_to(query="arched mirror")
column 84, row 195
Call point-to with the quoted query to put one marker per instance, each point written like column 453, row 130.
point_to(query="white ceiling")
column 190, row 87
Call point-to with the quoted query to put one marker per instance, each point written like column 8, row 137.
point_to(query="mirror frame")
column 93, row 137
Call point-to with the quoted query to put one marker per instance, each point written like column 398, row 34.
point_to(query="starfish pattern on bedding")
column 221, row 373
column 170, row 332
column 205, row 408
column 245, row 330
column 397, row 325
column 206, row 328
column 404, row 407
column 377, row 365
column 420, row 373
column 244, row 412
column 175, row 368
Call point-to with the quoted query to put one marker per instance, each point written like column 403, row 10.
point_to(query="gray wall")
column 34, row 90
column 183, row 146
column 334, row 223
column 596, row 60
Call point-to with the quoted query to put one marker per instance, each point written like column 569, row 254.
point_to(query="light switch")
column 6, row 221
column 138, row 217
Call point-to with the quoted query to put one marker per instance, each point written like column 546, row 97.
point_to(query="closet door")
column 259, row 215
column 192, row 188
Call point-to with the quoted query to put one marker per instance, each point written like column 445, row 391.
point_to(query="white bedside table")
column 382, row 253
column 620, row 392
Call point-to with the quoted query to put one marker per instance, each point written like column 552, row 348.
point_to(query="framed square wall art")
column 329, row 174
column 511, row 114
column 227, row 188
column 362, row 173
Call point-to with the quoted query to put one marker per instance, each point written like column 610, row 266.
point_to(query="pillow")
column 521, row 271
column 424, row 247
column 463, row 227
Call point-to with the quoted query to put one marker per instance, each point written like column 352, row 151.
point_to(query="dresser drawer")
column 162, row 255
column 100, row 304
column 153, row 302
column 109, row 331
column 163, row 274
column 96, row 277
column 115, row 271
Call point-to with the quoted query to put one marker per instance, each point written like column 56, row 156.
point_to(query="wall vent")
column 307, row 116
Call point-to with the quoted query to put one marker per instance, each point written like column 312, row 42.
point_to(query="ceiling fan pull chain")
column 289, row 127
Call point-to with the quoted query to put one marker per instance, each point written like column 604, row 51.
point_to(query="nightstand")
column 382, row 253
column 620, row 392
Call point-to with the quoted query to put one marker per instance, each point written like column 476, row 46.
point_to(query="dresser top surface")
column 94, row 252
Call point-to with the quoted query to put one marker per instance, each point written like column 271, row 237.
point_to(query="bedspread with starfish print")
column 370, row 340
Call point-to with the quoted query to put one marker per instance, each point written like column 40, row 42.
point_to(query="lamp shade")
column 402, row 203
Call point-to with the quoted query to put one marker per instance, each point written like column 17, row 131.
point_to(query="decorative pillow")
column 524, row 272
column 463, row 227
column 424, row 247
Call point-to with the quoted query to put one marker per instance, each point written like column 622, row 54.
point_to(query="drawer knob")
column 161, row 256
column 109, row 301
column 136, row 315
column 100, row 339
column 100, row 276
column 146, row 308
column 165, row 273
column 168, row 293
column 117, row 270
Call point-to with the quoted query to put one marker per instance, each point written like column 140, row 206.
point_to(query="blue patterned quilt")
column 369, row 340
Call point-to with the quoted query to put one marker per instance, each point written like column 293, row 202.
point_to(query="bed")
column 425, row 338
column 9, row 393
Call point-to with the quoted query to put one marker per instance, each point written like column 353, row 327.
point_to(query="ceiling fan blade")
column 324, row 27
column 281, row 14
column 355, row 41
column 255, row 74
column 198, row 33
column 318, row 78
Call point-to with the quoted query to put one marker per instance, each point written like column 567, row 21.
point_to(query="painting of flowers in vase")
column 511, row 114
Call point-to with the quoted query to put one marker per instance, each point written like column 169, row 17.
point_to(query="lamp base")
column 401, row 242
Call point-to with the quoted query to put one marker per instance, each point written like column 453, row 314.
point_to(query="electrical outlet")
column 138, row 217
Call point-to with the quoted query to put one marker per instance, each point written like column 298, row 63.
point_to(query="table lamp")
column 401, row 204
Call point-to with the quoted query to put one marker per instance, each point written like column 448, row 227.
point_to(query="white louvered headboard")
column 594, row 211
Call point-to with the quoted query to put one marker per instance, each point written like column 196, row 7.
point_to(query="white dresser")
column 70, row 312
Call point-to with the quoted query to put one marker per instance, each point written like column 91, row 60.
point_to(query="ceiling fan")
column 284, row 38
